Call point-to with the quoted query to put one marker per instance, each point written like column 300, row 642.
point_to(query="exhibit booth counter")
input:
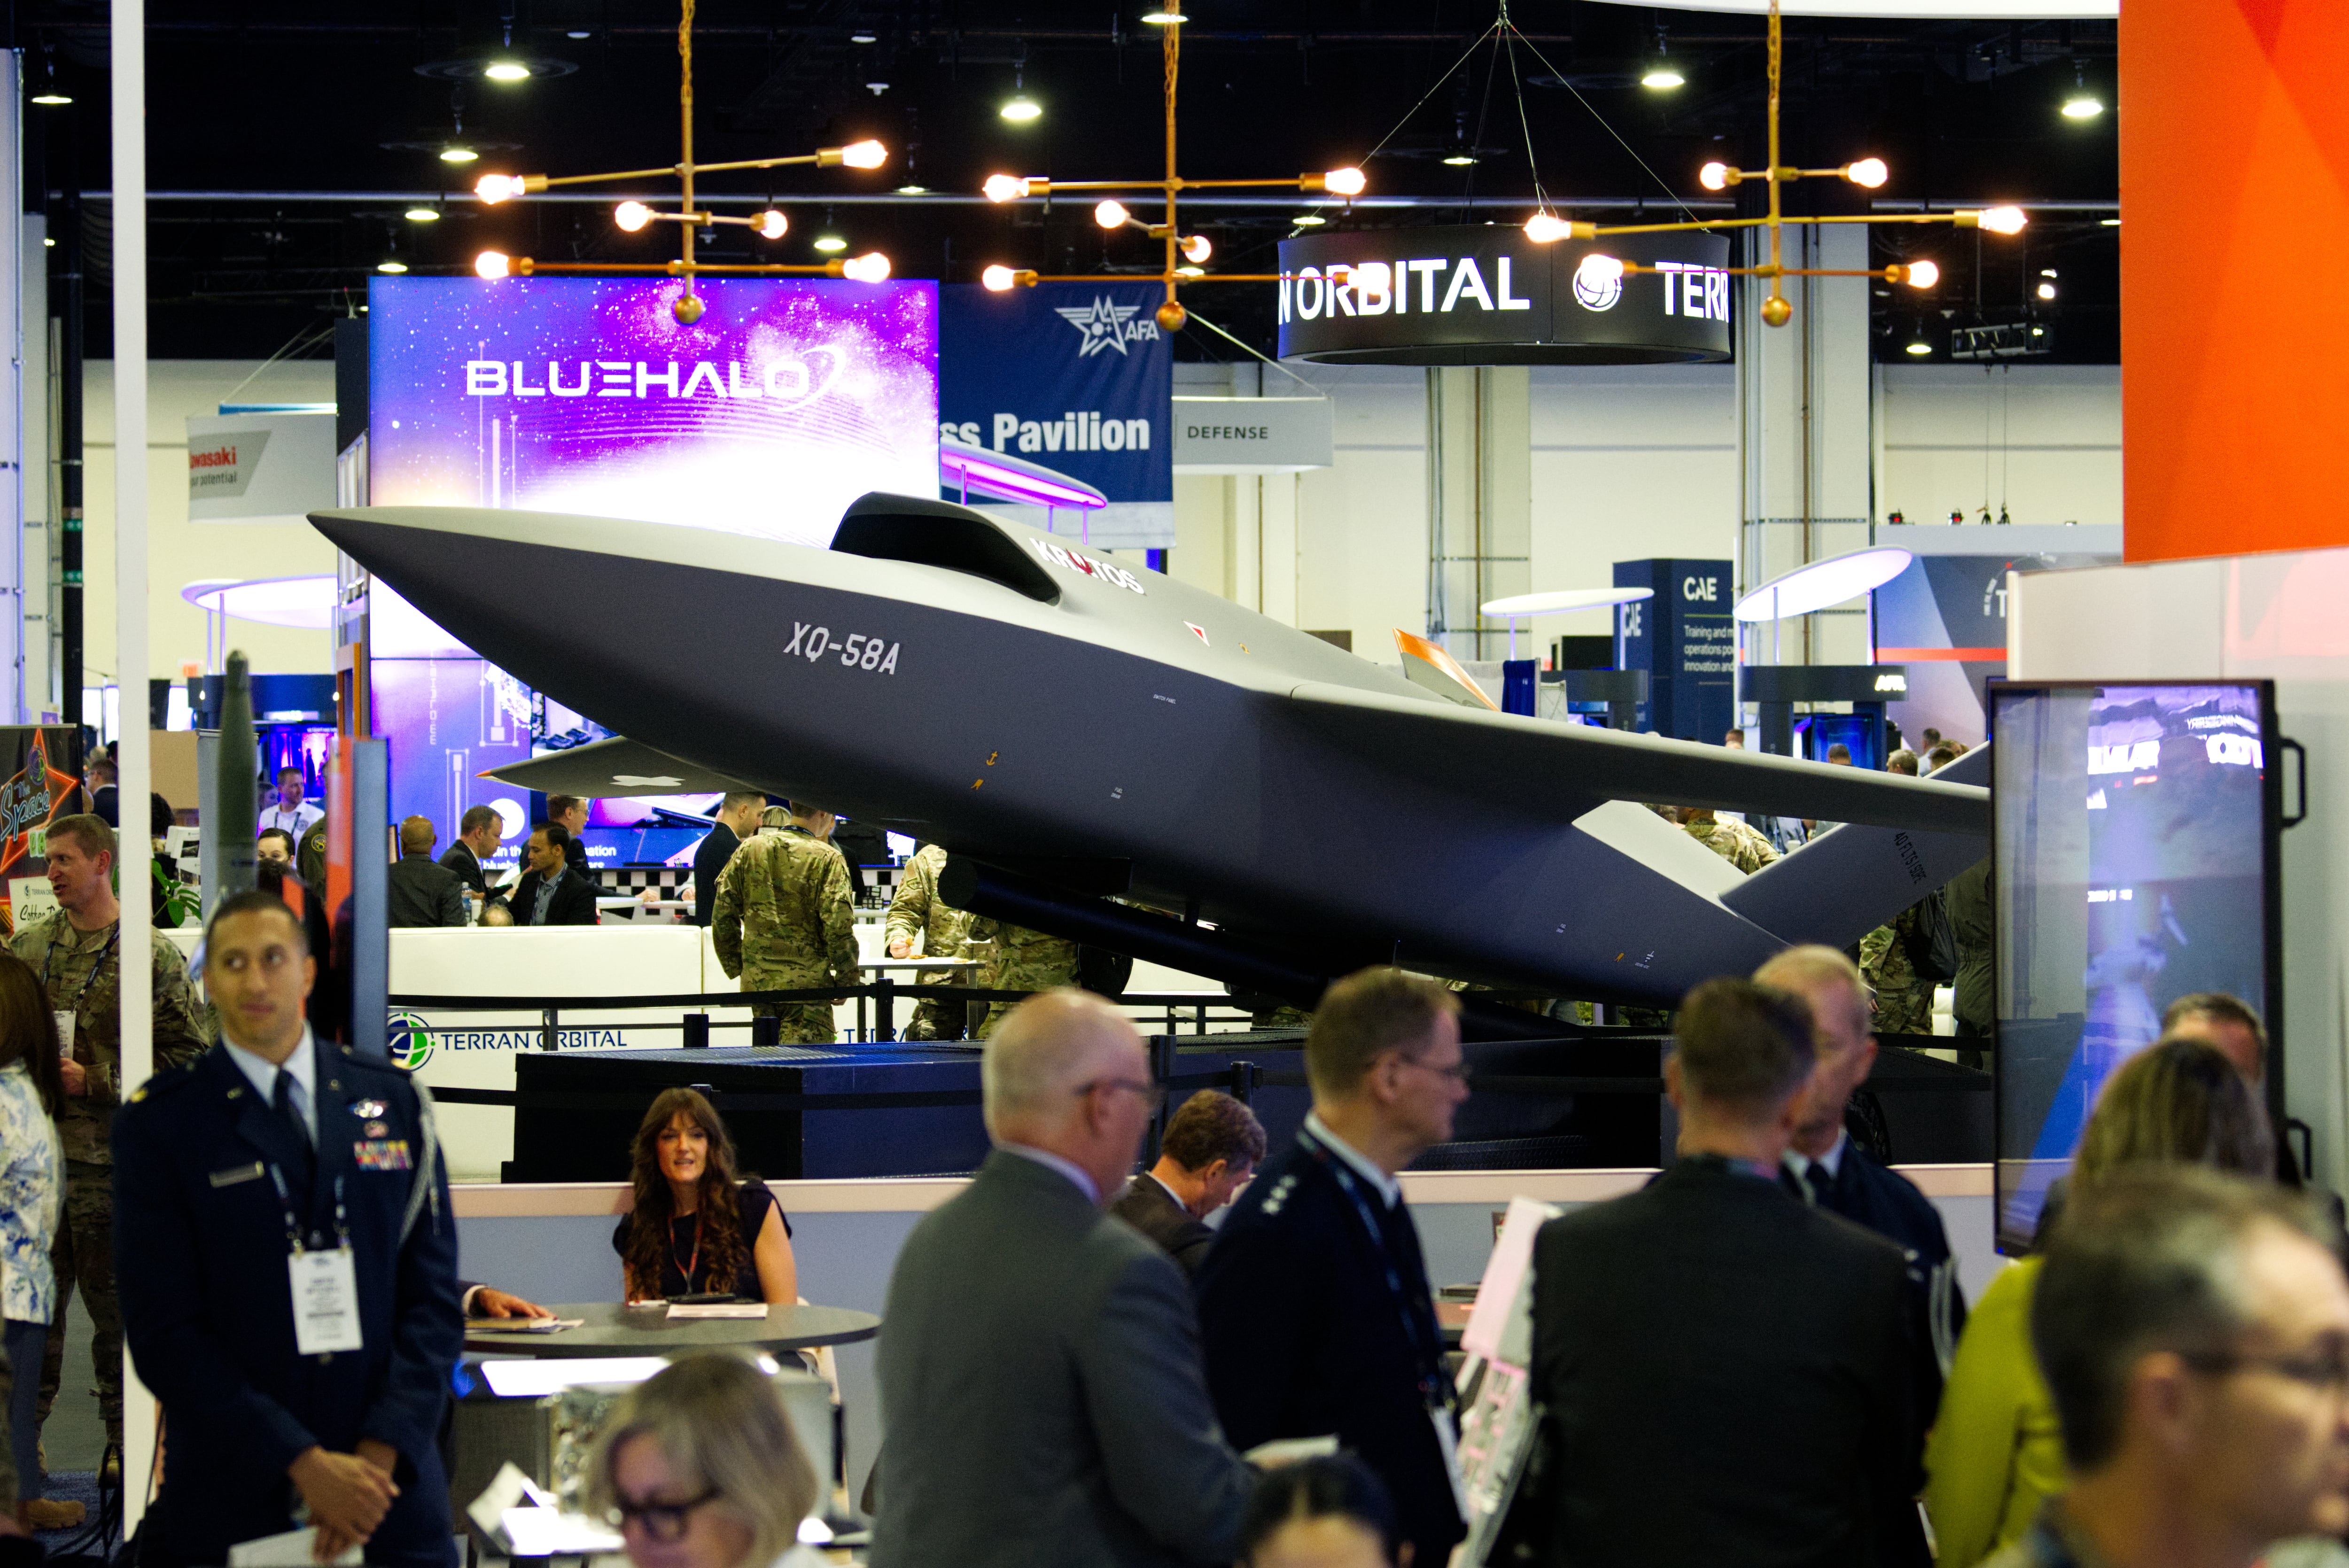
column 553, row 1243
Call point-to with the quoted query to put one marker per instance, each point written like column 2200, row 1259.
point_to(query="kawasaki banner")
column 1077, row 377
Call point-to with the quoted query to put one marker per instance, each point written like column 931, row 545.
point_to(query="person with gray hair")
column 1038, row 1360
column 1726, row 1371
column 2194, row 1330
column 699, row 1467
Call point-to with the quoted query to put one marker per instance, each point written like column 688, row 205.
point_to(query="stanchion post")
column 546, row 1038
column 766, row 1029
column 1243, row 1082
column 697, row 1031
column 885, row 1009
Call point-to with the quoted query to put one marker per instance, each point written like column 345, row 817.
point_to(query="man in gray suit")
column 1041, row 1385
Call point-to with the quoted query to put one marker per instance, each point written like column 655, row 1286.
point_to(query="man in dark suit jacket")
column 569, row 813
column 479, row 833
column 569, row 894
column 1823, row 1167
column 737, row 818
column 1314, row 1301
column 420, row 890
column 1213, row 1145
column 1726, row 1372
column 1040, row 1362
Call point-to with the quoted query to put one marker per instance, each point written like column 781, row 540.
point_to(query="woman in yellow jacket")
column 1997, row 1450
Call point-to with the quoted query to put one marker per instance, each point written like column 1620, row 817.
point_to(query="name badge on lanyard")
column 323, row 1285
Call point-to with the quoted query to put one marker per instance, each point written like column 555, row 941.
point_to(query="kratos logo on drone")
column 1102, row 325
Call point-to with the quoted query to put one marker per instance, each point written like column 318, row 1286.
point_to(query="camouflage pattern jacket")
column 1735, row 843
column 80, row 972
column 916, row 910
column 1904, row 1002
column 1021, row 959
column 783, row 919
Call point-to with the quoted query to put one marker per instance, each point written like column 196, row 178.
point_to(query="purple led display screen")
column 786, row 401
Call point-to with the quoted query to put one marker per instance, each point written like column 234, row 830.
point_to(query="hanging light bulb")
column 492, row 264
column 2046, row 291
column 1919, row 274
column 1198, row 248
column 1004, row 187
column 1998, row 220
column 1111, row 215
column 1869, row 172
column 632, row 216
column 772, row 225
column 1547, row 227
column 1717, row 176
column 1343, row 182
column 868, row 154
column 997, row 280
column 871, row 267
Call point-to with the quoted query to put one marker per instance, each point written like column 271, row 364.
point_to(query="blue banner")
column 1077, row 377
column 1686, row 642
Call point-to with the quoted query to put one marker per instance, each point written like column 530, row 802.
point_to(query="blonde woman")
column 1996, row 1450
column 701, row 1468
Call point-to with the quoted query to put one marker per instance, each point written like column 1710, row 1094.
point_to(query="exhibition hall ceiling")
column 340, row 112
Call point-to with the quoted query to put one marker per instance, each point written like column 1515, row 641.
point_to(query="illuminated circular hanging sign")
column 1485, row 294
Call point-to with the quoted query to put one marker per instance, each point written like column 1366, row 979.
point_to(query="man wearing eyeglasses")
column 2194, row 1329
column 1039, row 1363
column 1314, row 1303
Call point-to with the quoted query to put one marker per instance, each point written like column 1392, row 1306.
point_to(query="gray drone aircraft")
column 1119, row 758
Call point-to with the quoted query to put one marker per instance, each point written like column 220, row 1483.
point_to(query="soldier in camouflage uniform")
column 73, row 950
column 917, row 910
column 1735, row 843
column 784, row 921
column 1904, row 999
column 1020, row 960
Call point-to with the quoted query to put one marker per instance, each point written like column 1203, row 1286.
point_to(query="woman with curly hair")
column 697, row 1227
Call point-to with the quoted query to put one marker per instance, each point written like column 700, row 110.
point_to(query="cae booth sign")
column 1485, row 294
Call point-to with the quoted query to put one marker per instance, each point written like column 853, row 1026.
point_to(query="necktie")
column 1820, row 1181
column 280, row 1100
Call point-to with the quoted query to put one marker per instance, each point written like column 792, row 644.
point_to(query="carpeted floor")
column 76, row 1486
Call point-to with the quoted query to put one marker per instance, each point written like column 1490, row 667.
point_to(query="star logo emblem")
column 1101, row 325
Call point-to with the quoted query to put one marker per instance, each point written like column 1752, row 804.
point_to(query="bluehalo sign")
column 1483, row 295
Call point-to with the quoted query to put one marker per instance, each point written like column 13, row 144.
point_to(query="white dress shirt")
column 1389, row 1189
column 262, row 1074
column 1800, row 1163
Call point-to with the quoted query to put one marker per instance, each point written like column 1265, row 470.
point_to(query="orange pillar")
column 2234, row 141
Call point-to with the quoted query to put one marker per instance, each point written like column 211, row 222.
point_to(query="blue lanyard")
column 95, row 969
column 294, row 1225
column 1433, row 1387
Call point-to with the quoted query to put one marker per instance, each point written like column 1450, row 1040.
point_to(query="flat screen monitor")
column 2135, row 842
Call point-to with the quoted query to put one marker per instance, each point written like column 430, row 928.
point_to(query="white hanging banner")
column 1252, row 435
column 260, row 467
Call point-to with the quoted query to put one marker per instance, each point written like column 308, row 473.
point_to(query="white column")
column 38, row 605
column 1275, row 569
column 13, row 579
column 1479, row 501
column 136, row 957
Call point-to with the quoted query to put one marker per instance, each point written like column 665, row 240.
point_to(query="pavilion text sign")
column 1484, row 295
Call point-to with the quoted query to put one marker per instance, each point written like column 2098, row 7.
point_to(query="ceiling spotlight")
column 2001, row 219
column 1005, row 187
column 876, row 89
column 2047, row 271
column 1308, row 220
column 913, row 189
column 1545, row 227
column 492, row 264
column 1344, row 182
column 1163, row 18
column 632, row 216
column 579, row 32
column 871, row 267
column 1187, row 272
column 866, row 154
column 862, row 38
column 2083, row 106
column 1920, row 275
column 1111, row 215
column 421, row 215
column 52, row 97
column 1919, row 347
column 1717, row 175
column 50, row 241
column 506, row 71
column 997, row 280
column 2108, row 222
column 1198, row 248
column 772, row 225
column 2046, row 291
column 1868, row 173
column 457, row 153
column 1461, row 160
column 391, row 264
column 1663, row 79
column 1021, row 109
column 830, row 244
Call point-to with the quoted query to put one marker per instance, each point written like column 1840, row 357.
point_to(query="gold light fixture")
column 1869, row 173
column 1184, row 253
column 633, row 216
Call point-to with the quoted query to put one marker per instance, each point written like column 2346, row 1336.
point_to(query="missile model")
column 1119, row 758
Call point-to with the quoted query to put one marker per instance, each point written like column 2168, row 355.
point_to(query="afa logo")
column 1102, row 325
column 410, row 1040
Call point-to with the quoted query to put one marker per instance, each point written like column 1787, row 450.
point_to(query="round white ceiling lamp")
column 1904, row 10
column 305, row 602
column 1560, row 602
column 1823, row 583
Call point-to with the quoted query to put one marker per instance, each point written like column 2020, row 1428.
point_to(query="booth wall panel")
column 2234, row 153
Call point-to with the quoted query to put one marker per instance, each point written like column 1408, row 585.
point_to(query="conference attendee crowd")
column 1763, row 1356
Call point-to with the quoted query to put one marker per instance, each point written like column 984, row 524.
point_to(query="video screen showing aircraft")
column 2135, row 863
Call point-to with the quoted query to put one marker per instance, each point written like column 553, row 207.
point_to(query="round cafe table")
column 613, row 1329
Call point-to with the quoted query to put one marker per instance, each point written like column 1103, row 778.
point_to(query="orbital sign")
column 1483, row 295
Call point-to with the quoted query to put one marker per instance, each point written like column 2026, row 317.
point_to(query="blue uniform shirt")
column 201, row 1244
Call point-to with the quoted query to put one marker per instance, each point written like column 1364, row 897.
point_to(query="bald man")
column 1022, row 1313
column 422, row 891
